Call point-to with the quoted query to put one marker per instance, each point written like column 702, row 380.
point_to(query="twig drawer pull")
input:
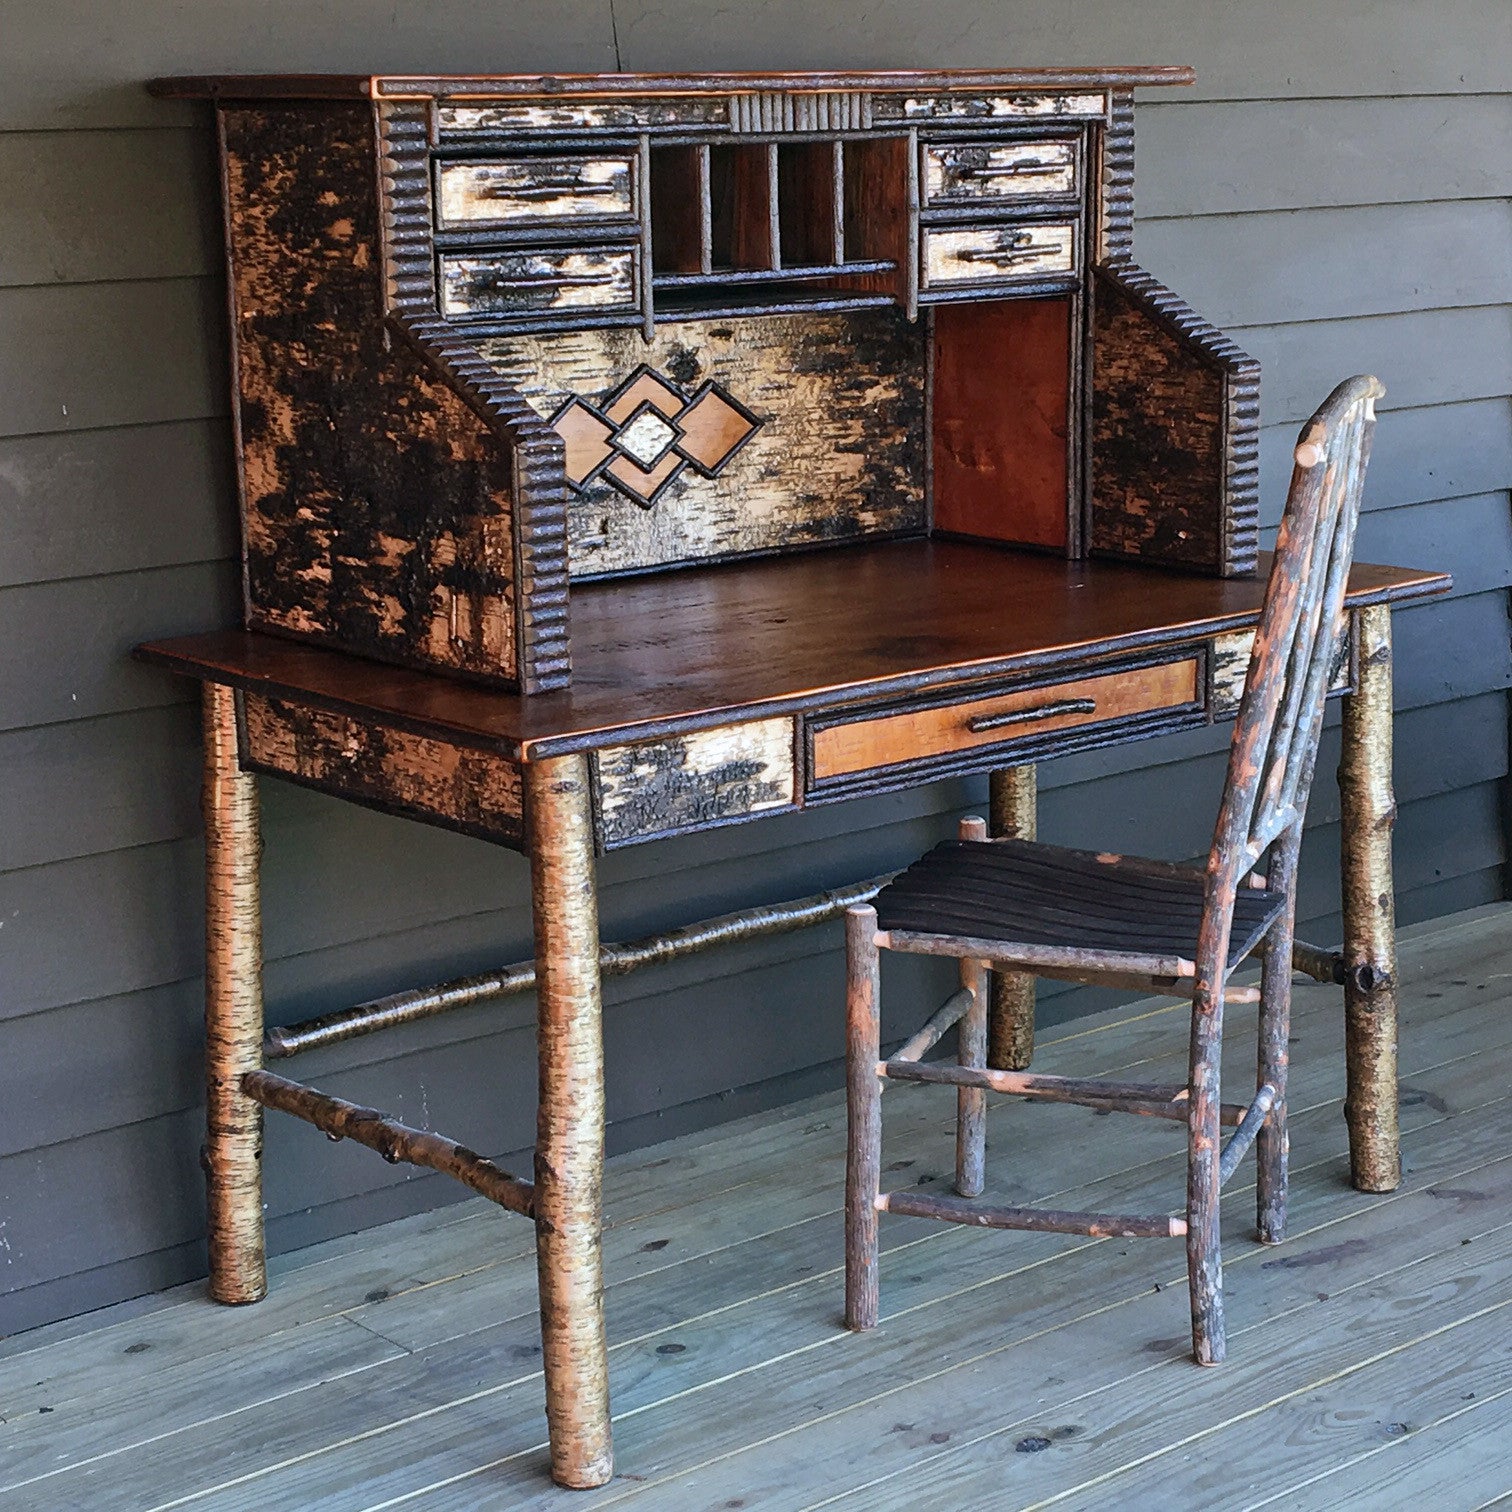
column 981, row 722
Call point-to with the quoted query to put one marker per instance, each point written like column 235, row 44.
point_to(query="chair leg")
column 1272, row 1146
column 1204, row 1251
column 971, row 1102
column 863, row 1151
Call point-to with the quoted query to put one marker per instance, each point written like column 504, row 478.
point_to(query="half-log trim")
column 393, row 1140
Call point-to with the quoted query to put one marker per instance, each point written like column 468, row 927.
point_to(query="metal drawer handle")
column 979, row 723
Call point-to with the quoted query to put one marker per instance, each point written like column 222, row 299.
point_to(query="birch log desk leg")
column 1370, row 970
column 1012, row 803
column 569, row 1161
column 233, row 1010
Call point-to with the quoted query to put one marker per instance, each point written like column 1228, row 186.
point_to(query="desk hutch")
column 621, row 456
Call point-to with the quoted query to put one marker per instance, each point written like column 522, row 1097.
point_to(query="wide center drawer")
column 844, row 747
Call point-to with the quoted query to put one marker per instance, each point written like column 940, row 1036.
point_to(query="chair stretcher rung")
column 1247, row 1132
column 1038, row 1220
column 393, row 1140
column 1153, row 1101
column 949, row 1014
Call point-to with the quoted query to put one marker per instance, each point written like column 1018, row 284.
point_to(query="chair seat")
column 1021, row 892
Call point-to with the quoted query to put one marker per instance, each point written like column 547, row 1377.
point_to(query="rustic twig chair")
column 1127, row 921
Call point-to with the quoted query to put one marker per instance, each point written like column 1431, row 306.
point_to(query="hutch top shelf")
column 496, row 334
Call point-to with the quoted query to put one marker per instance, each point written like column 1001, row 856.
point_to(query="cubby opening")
column 779, row 225
column 680, row 209
column 743, row 206
column 810, row 198
column 1001, row 425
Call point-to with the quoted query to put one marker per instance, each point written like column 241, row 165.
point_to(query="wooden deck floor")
column 1370, row 1357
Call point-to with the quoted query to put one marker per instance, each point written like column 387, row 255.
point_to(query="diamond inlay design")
column 643, row 434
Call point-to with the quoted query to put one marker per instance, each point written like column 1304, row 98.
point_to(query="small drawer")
column 534, row 191
column 843, row 748
column 970, row 175
column 960, row 257
column 539, row 281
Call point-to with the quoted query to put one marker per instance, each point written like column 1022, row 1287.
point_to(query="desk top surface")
column 686, row 650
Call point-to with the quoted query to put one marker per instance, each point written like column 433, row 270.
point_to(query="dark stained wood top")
column 694, row 648
column 555, row 86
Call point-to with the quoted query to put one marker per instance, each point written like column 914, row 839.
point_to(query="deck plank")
column 1459, row 1460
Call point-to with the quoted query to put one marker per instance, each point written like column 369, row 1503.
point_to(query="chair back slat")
column 1300, row 636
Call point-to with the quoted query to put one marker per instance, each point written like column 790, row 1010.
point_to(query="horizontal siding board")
column 1335, row 264
column 94, row 206
column 1440, row 451
column 1302, row 154
column 122, row 499
column 65, row 648
column 64, row 69
column 1449, row 650
column 1471, row 538
column 134, row 353
column 1426, row 357
column 81, row 789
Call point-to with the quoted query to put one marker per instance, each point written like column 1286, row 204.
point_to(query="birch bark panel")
column 509, row 116
column 1157, row 440
column 470, row 790
column 984, row 107
column 838, row 455
column 378, row 507
column 686, row 782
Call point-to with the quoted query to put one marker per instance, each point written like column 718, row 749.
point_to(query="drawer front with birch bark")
column 537, row 281
column 981, row 175
column 1228, row 664
column 524, row 192
column 696, row 781
column 955, row 259
column 855, row 751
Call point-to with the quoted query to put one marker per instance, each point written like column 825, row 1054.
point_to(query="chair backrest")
column 1301, row 636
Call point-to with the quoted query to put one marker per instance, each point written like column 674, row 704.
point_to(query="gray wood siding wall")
column 1334, row 192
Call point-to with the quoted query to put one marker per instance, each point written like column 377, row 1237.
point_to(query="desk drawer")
column 841, row 749
column 979, row 175
column 535, row 191
column 541, row 280
column 960, row 257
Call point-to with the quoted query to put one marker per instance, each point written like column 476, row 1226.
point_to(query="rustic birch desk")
column 509, row 351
